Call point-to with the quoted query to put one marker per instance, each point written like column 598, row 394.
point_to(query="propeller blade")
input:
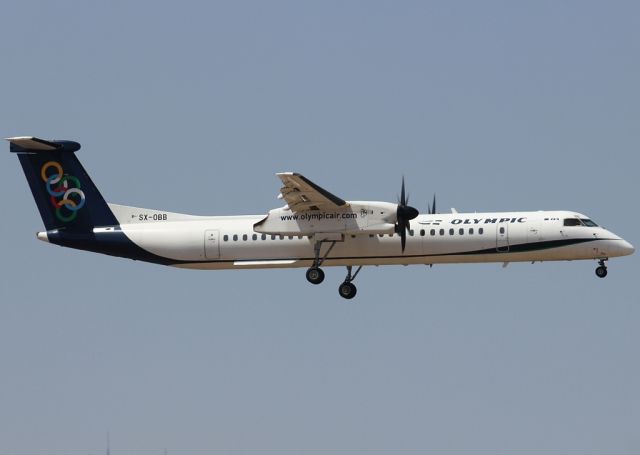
column 404, row 214
column 431, row 208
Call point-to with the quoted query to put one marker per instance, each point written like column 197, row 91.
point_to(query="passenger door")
column 502, row 237
column 212, row 244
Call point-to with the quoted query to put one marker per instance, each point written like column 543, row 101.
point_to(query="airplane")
column 314, row 229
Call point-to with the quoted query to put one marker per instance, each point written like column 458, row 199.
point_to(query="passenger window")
column 244, row 236
column 235, row 237
column 281, row 237
column 501, row 230
column 461, row 231
column 480, row 231
column 411, row 232
column 273, row 236
column 451, row 231
column 263, row 236
column 225, row 238
column 441, row 231
column 433, row 232
column 254, row 236
column 422, row 232
column 470, row 231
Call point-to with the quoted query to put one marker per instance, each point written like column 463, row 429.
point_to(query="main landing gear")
column 601, row 270
column 315, row 275
column 347, row 289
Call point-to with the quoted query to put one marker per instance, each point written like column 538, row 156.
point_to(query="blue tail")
column 64, row 193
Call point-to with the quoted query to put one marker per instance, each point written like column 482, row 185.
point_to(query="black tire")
column 315, row 275
column 601, row 271
column 347, row 290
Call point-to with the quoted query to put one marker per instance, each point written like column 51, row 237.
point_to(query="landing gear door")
column 212, row 244
column 502, row 237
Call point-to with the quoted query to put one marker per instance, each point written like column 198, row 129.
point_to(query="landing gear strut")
column 315, row 275
column 601, row 271
column 347, row 289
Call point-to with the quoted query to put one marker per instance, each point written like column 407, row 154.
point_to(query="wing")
column 302, row 194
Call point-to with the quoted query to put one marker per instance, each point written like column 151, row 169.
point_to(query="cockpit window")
column 572, row 222
column 579, row 222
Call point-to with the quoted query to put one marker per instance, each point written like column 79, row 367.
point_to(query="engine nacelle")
column 355, row 218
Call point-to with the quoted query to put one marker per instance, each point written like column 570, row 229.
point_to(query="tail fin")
column 64, row 193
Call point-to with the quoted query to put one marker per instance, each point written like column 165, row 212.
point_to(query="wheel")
column 347, row 290
column 315, row 275
column 601, row 271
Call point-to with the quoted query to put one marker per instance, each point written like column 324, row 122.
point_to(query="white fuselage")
column 231, row 242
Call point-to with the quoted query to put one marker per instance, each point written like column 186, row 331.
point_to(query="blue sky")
column 193, row 107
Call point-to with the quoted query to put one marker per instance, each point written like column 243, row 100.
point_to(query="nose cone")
column 627, row 248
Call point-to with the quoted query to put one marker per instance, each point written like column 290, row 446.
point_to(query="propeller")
column 432, row 207
column 404, row 214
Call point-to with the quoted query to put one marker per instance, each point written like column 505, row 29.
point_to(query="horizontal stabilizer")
column 34, row 144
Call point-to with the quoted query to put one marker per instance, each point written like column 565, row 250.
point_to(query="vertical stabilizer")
column 63, row 191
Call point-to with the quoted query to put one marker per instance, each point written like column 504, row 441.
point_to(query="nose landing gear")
column 601, row 270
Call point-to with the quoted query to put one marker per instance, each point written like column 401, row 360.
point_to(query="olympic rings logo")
column 63, row 196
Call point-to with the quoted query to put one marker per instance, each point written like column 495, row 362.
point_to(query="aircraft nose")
column 627, row 248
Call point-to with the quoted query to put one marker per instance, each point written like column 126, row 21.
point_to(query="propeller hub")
column 406, row 213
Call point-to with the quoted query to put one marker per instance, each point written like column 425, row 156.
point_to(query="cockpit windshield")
column 588, row 222
column 579, row 222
